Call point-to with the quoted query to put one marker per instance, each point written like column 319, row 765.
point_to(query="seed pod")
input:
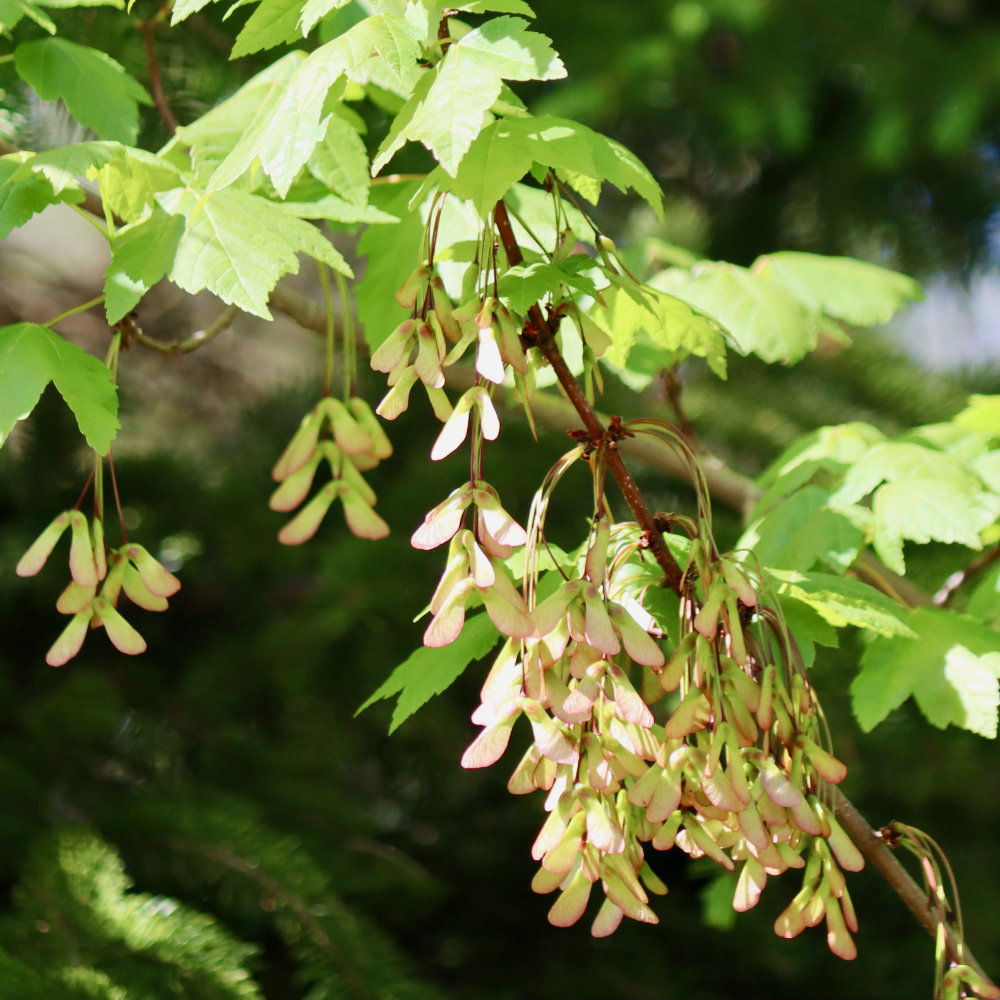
column 572, row 901
column 406, row 295
column 40, row 550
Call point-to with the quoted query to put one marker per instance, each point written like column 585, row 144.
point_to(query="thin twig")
column 197, row 339
column 155, row 82
column 957, row 580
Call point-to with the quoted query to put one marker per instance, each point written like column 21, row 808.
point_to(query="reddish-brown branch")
column 545, row 342
column 155, row 82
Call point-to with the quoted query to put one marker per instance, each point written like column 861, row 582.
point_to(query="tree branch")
column 874, row 848
column 861, row 833
column 545, row 342
column 957, row 580
column 174, row 348
column 725, row 484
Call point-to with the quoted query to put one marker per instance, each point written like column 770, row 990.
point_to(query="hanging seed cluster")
column 97, row 578
column 735, row 771
column 347, row 439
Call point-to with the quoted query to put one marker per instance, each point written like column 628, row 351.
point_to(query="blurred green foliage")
column 837, row 127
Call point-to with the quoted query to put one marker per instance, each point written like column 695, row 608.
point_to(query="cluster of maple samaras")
column 350, row 440
column 98, row 576
column 735, row 772
column 437, row 336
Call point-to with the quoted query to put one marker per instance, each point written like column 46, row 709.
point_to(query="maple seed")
column 406, row 296
column 82, row 564
column 70, row 640
column 39, row 551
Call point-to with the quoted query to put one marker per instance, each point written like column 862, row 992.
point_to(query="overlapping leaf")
column 273, row 22
column 924, row 510
column 285, row 132
column 850, row 290
column 238, row 245
column 242, row 118
column 630, row 313
column 982, row 414
column 23, row 193
column 447, row 113
column 314, row 10
column 524, row 285
column 143, row 254
column 927, row 495
column 131, row 178
column 842, row 601
column 803, row 530
column 759, row 316
column 950, row 666
column 340, row 161
column 31, row 356
column 507, row 149
column 14, row 11
column 95, row 88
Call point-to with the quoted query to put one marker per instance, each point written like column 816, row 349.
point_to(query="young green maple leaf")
column 23, row 193
column 143, row 254
column 29, row 182
column 950, row 667
column 760, row 317
column 30, row 357
column 447, row 110
column 284, row 134
column 850, row 290
column 238, row 245
column 236, row 122
column 274, row 22
column 506, row 149
column 634, row 313
column 428, row 671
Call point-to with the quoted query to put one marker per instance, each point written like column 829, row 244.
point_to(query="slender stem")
column 349, row 345
column 329, row 332
column 91, row 210
column 83, row 307
column 958, row 579
column 83, row 492
column 118, row 499
column 98, row 488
